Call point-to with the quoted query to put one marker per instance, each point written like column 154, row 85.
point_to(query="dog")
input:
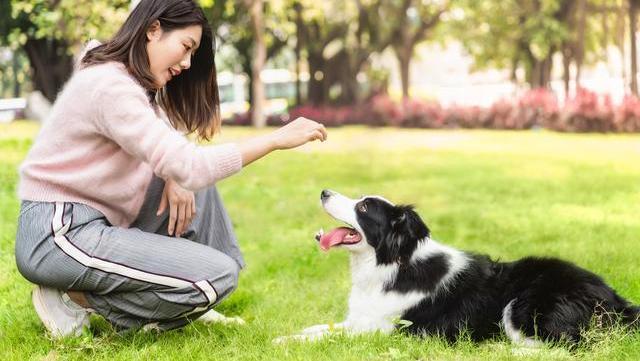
column 403, row 279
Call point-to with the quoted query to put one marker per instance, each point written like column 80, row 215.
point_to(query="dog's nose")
column 325, row 194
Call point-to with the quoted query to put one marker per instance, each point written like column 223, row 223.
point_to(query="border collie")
column 402, row 279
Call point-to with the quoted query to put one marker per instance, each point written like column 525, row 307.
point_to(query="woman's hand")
column 295, row 133
column 298, row 132
column 182, row 207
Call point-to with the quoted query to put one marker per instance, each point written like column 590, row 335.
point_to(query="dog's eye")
column 362, row 207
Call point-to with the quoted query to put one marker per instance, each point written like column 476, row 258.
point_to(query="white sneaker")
column 60, row 315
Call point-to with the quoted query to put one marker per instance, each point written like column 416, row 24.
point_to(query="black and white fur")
column 400, row 273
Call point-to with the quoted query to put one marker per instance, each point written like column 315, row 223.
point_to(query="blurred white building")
column 446, row 74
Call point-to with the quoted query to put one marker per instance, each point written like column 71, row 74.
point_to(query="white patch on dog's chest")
column 373, row 308
column 370, row 306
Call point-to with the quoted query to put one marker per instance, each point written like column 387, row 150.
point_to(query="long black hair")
column 191, row 99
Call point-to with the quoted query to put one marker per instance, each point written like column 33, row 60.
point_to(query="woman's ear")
column 155, row 31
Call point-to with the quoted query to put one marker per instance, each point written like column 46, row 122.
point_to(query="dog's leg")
column 324, row 329
column 314, row 333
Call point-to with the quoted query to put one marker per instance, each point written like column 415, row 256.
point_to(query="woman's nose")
column 186, row 62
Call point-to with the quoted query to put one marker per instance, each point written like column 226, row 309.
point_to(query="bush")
column 380, row 110
column 422, row 114
column 586, row 112
column 465, row 117
column 627, row 117
column 327, row 115
column 536, row 108
column 244, row 119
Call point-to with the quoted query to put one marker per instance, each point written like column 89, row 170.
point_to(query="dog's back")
column 534, row 297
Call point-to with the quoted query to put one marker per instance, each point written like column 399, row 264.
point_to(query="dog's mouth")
column 338, row 236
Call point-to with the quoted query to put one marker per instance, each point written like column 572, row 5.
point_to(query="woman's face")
column 170, row 52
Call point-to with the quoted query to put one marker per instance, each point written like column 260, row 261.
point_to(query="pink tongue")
column 334, row 237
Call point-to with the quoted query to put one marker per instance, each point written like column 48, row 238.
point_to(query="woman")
column 109, row 180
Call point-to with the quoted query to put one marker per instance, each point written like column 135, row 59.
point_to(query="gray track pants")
column 132, row 276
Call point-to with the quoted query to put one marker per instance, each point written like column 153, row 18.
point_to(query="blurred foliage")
column 74, row 21
column 336, row 39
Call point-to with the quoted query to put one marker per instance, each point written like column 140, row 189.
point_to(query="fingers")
column 173, row 215
column 189, row 209
column 163, row 204
column 323, row 130
column 182, row 215
column 318, row 130
column 317, row 135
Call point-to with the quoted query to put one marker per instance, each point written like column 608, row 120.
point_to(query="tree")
column 256, row 9
column 51, row 31
column 526, row 34
column 633, row 11
column 514, row 34
column 232, row 25
column 339, row 39
column 413, row 19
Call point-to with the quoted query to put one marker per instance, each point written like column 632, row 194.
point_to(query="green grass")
column 508, row 194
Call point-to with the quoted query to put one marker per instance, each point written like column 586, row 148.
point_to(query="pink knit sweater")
column 103, row 141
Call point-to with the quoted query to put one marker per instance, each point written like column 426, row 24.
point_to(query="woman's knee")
column 223, row 272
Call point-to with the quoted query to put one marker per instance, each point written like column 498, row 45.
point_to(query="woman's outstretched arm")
column 294, row 134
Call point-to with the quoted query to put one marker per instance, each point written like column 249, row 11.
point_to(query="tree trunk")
column 621, row 32
column 258, row 118
column 633, row 11
column 349, row 87
column 50, row 64
column 404, row 60
column 540, row 74
column 579, row 55
column 298, row 20
column 566, row 68
column 316, row 91
column 340, row 69
column 16, row 82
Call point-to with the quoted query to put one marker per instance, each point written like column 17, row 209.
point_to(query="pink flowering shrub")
column 422, row 114
column 627, row 115
column 536, row 108
column 585, row 112
column 457, row 116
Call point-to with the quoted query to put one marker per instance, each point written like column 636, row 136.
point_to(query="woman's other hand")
column 182, row 207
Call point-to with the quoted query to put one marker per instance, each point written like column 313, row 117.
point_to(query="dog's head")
column 392, row 231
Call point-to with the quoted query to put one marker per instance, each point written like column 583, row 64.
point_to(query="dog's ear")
column 406, row 230
column 398, row 219
column 409, row 223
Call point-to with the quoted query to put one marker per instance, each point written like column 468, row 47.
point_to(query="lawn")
column 508, row 194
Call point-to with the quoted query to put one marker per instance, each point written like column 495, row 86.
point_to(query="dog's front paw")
column 299, row 338
column 312, row 333
column 316, row 329
column 284, row 339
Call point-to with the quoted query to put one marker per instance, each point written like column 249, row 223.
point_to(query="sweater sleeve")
column 125, row 116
